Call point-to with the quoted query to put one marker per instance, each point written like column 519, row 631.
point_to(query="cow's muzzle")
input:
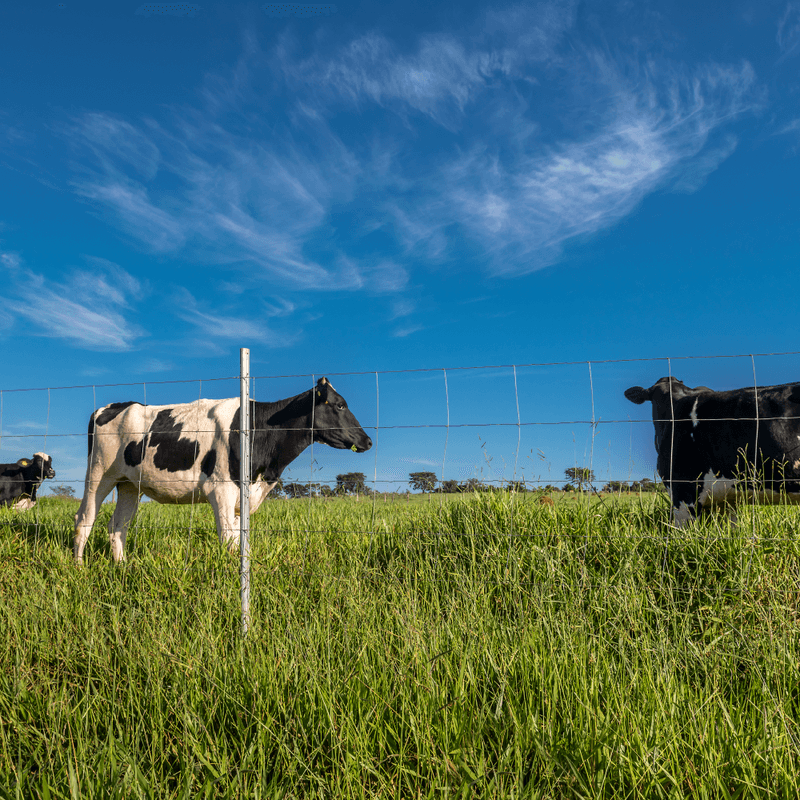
column 363, row 446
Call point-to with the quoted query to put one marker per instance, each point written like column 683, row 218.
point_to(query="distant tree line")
column 348, row 483
column 577, row 479
column 354, row 484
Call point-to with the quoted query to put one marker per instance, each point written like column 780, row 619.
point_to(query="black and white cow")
column 710, row 444
column 19, row 482
column 189, row 453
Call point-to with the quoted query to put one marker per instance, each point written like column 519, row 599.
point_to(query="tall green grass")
column 484, row 646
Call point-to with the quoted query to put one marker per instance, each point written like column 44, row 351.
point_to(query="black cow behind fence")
column 19, row 482
column 713, row 447
column 189, row 453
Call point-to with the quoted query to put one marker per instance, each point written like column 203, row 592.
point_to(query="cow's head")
column 334, row 424
column 43, row 466
column 668, row 396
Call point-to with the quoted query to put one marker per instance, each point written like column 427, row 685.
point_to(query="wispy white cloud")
column 11, row 261
column 155, row 365
column 87, row 309
column 385, row 277
column 402, row 308
column 402, row 333
column 137, row 214
column 216, row 327
column 115, row 142
column 791, row 127
column 694, row 174
column 425, row 233
column 124, row 283
column 444, row 73
column 524, row 212
column 788, row 36
column 289, row 203
column 239, row 200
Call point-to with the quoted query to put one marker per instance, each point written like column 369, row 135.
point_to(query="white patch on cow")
column 716, row 489
column 24, row 504
column 693, row 414
column 682, row 515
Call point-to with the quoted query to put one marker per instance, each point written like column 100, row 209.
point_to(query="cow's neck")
column 281, row 431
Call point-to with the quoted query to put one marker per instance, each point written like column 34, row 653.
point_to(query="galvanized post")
column 244, row 485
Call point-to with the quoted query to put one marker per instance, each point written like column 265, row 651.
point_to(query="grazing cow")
column 189, row 453
column 710, row 444
column 19, row 482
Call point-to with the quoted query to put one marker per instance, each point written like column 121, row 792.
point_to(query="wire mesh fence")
column 491, row 601
column 548, row 432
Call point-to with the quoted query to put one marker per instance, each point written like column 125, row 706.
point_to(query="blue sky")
column 397, row 187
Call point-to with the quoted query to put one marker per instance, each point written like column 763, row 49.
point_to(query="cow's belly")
column 174, row 496
column 775, row 498
column 174, row 489
column 727, row 491
column 716, row 490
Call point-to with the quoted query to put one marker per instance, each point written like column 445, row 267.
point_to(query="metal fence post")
column 244, row 485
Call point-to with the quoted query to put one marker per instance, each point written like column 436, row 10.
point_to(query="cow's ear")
column 23, row 462
column 322, row 389
column 637, row 394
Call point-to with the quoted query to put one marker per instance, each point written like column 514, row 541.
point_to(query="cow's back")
column 168, row 451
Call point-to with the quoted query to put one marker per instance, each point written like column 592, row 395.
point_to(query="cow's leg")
column 94, row 494
column 127, row 503
column 683, row 514
column 258, row 492
column 223, row 502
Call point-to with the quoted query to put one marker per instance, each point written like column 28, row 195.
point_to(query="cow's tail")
column 91, row 432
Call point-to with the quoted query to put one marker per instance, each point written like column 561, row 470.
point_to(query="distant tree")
column 326, row 491
column 63, row 492
column 551, row 488
column 296, row 490
column 616, row 486
column 645, row 485
column 517, row 486
column 450, row 487
column 568, row 487
column 351, row 483
column 580, row 476
column 472, row 485
column 422, row 481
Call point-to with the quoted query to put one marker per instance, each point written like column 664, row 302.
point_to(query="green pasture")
column 470, row 646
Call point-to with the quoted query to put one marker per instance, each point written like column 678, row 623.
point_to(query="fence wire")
column 384, row 489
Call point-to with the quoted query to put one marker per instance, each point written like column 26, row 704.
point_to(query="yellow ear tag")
column 24, row 462
column 354, row 448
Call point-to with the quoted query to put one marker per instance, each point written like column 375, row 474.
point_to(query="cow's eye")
column 340, row 406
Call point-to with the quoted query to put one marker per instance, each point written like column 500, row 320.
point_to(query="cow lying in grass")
column 19, row 482
column 189, row 453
